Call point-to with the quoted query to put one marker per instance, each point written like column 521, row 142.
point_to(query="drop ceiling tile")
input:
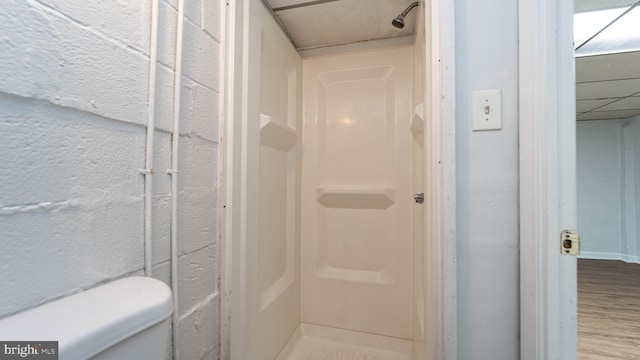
column 346, row 21
column 592, row 5
column 608, row 67
column 588, row 105
column 587, row 24
column 620, row 36
column 281, row 3
column 630, row 103
column 607, row 89
column 608, row 115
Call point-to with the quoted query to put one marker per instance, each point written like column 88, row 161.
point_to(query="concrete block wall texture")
column 73, row 110
column 608, row 152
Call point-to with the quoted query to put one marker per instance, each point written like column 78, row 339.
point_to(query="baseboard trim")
column 610, row 256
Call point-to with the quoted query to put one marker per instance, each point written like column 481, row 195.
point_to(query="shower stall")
column 328, row 251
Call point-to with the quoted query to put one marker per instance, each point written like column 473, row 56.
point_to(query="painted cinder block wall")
column 608, row 184
column 73, row 105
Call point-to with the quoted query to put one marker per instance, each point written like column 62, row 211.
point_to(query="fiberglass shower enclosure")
column 323, row 235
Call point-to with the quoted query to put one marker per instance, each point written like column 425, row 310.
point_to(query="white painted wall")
column 598, row 167
column 487, row 183
column 73, row 98
column 608, row 152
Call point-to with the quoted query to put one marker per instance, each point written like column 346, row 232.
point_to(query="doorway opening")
column 327, row 250
column 608, row 174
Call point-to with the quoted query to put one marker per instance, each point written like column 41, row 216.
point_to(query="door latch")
column 570, row 243
column 419, row 198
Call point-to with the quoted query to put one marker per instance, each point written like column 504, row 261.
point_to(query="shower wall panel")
column 269, row 242
column 357, row 270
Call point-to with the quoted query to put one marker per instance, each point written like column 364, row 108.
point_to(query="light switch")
column 487, row 111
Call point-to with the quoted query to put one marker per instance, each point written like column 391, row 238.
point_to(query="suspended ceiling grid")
column 607, row 86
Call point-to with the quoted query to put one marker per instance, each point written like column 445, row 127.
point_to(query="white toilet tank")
column 124, row 319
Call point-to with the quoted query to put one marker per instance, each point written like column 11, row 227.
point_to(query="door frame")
column 440, row 63
column 231, row 158
column 548, row 313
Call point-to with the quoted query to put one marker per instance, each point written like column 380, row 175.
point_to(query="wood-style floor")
column 608, row 310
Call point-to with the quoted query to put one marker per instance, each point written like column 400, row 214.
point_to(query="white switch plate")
column 487, row 110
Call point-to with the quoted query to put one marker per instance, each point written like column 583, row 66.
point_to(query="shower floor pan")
column 313, row 342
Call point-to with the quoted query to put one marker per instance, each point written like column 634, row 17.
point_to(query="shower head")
column 399, row 20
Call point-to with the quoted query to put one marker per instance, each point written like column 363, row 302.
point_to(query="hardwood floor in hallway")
column 608, row 310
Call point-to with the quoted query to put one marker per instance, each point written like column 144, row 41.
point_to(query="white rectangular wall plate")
column 487, row 110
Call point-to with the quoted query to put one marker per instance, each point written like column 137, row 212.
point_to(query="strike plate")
column 570, row 243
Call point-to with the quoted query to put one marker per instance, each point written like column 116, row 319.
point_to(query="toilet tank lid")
column 91, row 321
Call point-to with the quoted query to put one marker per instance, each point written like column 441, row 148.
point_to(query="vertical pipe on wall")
column 148, row 170
column 175, row 137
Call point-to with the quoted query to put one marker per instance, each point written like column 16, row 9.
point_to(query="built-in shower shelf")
column 360, row 197
column 417, row 123
column 275, row 134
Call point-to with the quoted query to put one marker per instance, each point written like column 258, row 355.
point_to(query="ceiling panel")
column 605, row 115
column 592, row 5
column 630, row 103
column 281, row 3
column 608, row 67
column 620, row 36
column 588, row 105
column 345, row 21
column 587, row 25
column 607, row 89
